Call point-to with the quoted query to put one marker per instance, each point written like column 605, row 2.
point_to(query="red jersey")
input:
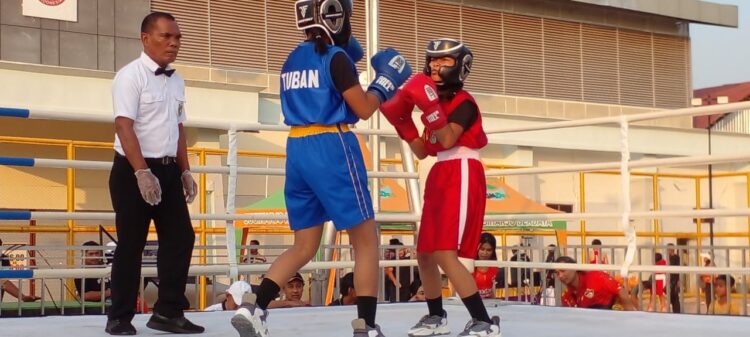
column 474, row 137
column 596, row 289
column 485, row 281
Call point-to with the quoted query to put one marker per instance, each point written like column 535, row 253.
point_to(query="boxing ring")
column 395, row 319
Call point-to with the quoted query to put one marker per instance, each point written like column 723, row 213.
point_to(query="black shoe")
column 173, row 325
column 119, row 328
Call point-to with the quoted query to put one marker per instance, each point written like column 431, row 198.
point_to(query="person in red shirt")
column 659, row 279
column 455, row 191
column 591, row 289
column 484, row 277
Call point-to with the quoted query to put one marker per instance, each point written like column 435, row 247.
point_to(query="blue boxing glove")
column 391, row 71
column 354, row 49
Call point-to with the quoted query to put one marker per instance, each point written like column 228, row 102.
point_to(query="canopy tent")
column 503, row 199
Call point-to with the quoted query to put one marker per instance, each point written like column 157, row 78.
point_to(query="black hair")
column 414, row 287
column 90, row 243
column 724, row 279
column 565, row 259
column 658, row 257
column 346, row 282
column 488, row 239
column 395, row 242
column 319, row 37
column 596, row 242
column 148, row 22
column 254, row 242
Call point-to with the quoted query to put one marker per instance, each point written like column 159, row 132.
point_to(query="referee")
column 150, row 180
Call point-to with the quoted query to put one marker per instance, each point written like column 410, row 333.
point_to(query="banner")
column 66, row 10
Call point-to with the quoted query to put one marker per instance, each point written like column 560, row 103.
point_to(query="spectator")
column 416, row 291
column 254, row 256
column 232, row 297
column 485, row 276
column 8, row 286
column 707, row 280
column 591, row 289
column 90, row 289
column 406, row 275
column 723, row 304
column 659, row 280
column 392, row 285
column 346, row 289
column 551, row 255
column 292, row 292
column 597, row 255
column 524, row 278
column 674, row 279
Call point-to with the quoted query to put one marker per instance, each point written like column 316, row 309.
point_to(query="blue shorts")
column 326, row 178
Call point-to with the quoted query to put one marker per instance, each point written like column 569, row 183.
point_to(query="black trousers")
column 174, row 230
column 674, row 297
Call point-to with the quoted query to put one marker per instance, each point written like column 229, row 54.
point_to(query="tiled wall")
column 106, row 36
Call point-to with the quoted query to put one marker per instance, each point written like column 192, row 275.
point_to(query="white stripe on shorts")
column 464, row 201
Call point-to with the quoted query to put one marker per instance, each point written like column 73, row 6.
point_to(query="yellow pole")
column 698, row 221
column 504, row 240
column 656, row 222
column 582, row 207
column 71, row 205
column 203, row 239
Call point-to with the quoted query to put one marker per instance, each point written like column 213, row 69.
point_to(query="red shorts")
column 659, row 284
column 453, row 213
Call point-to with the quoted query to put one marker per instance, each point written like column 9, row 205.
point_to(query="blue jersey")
column 308, row 94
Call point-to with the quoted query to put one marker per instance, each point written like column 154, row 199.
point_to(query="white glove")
column 189, row 187
column 148, row 183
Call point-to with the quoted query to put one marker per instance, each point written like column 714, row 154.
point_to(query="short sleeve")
column 181, row 103
column 126, row 95
column 342, row 72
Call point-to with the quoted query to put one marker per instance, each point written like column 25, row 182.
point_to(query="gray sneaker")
column 361, row 329
column 249, row 320
column 434, row 325
column 482, row 329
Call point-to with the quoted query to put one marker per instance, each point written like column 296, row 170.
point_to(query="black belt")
column 158, row 161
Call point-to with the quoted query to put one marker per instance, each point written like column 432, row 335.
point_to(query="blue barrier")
column 16, row 274
column 16, row 161
column 15, row 215
column 12, row 112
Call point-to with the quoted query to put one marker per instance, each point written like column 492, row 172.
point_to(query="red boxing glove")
column 421, row 90
column 397, row 111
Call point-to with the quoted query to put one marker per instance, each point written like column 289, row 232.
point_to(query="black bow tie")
column 164, row 71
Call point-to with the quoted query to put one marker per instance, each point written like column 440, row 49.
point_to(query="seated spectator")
column 723, row 304
column 292, row 294
column 597, row 255
column 417, row 291
column 485, row 276
column 231, row 299
column 8, row 286
column 90, row 289
column 346, row 289
column 254, row 256
column 591, row 289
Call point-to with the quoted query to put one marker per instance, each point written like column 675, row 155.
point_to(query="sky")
column 722, row 55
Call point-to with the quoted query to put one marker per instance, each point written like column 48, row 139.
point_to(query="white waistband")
column 458, row 152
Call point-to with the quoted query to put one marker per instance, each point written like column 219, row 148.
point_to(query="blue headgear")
column 333, row 16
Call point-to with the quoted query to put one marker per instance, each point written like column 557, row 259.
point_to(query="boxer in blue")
column 326, row 178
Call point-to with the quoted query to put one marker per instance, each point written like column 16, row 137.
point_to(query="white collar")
column 149, row 63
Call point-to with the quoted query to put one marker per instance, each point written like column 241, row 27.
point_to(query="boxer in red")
column 455, row 191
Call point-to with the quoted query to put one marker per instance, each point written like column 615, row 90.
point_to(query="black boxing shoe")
column 173, row 325
column 117, row 327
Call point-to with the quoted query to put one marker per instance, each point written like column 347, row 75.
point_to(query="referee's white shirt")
column 156, row 104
